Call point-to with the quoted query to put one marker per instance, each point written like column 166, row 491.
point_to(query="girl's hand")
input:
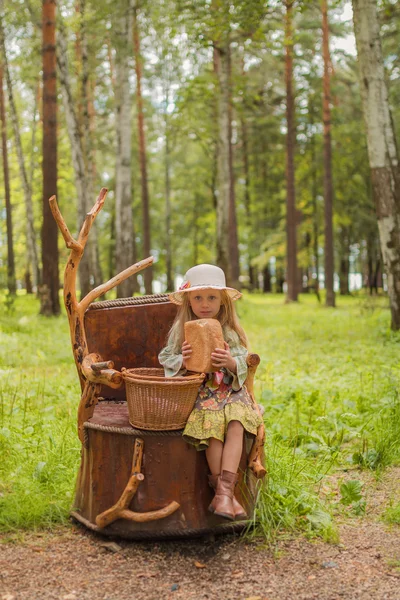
column 223, row 358
column 186, row 352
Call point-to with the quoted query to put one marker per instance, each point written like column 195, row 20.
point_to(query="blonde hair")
column 226, row 316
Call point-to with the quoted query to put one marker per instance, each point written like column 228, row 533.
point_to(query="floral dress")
column 222, row 396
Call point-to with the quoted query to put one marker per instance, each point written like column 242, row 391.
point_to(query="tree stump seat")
column 173, row 470
column 133, row 483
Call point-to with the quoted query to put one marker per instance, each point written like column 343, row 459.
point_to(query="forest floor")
column 72, row 563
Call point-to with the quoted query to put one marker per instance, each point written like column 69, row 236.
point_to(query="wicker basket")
column 156, row 402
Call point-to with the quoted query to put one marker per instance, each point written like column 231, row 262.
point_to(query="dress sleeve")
column 170, row 359
column 239, row 353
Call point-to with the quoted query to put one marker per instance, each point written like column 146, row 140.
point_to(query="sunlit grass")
column 328, row 380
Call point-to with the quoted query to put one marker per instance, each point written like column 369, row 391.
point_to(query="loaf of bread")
column 204, row 335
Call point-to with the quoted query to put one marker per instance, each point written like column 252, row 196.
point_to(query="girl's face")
column 205, row 303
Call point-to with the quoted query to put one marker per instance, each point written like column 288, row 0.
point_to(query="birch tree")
column 148, row 273
column 382, row 151
column 11, row 283
column 32, row 253
column 124, row 245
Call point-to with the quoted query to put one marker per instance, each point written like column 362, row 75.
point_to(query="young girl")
column 223, row 409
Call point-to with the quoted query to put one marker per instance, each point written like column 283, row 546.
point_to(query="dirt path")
column 74, row 564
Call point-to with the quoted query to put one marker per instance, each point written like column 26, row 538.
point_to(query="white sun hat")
column 202, row 277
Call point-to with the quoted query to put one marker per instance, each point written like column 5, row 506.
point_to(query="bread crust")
column 204, row 335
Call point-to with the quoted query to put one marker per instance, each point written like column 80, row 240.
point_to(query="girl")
column 223, row 409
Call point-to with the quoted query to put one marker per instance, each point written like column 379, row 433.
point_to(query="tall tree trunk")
column 382, row 151
column 148, row 273
column 87, row 139
column 328, row 187
column 11, row 282
column 291, row 229
column 226, row 214
column 233, row 231
column 168, row 246
column 50, row 301
column 344, row 274
column 32, row 253
column 78, row 161
column 314, row 194
column 246, row 173
column 124, row 231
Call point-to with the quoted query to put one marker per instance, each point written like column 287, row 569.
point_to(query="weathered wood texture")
column 131, row 336
column 173, row 472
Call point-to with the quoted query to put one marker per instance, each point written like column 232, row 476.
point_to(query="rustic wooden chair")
column 135, row 483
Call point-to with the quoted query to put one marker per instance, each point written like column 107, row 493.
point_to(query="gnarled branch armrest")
column 253, row 360
column 256, row 456
column 92, row 369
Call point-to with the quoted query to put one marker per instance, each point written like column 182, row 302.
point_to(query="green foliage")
column 288, row 499
column 328, row 380
column 392, row 514
column 39, row 450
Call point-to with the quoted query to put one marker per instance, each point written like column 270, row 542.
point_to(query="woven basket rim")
column 128, row 375
column 172, row 381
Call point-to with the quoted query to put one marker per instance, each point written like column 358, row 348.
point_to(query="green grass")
column 328, row 379
column 392, row 514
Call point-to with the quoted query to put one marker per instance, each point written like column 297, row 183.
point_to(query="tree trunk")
column 266, row 280
column 32, row 252
column 291, row 229
column 78, row 161
column 148, row 274
column 87, row 139
column 328, row 187
column 247, row 199
column 226, row 214
column 11, row 283
column 314, row 194
column 382, row 151
column 124, row 231
column 168, row 247
column 50, row 301
column 233, row 231
column 344, row 275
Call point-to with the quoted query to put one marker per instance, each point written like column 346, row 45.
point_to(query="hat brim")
column 177, row 297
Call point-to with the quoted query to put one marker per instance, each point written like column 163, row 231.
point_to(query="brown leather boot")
column 222, row 504
column 238, row 509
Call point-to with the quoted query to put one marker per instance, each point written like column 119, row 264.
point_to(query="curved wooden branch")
column 69, row 240
column 90, row 378
column 152, row 515
column 90, row 217
column 89, row 398
column 120, row 509
column 105, row 287
column 256, row 457
column 105, row 376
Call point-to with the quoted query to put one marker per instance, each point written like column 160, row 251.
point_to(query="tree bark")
column 314, row 193
column 382, row 151
column 291, row 229
column 233, row 232
column 50, row 301
column 148, row 274
column 168, row 245
column 87, row 139
column 328, row 186
column 124, row 245
column 81, row 183
column 11, row 282
column 32, row 252
column 226, row 214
